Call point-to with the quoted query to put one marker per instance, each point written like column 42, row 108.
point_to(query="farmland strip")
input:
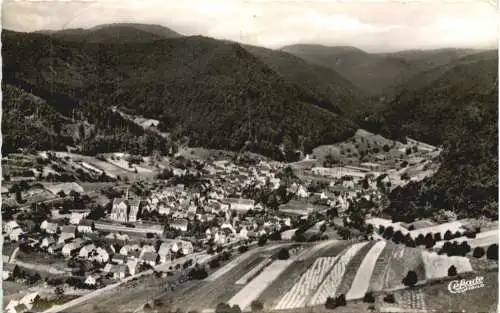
column 308, row 282
column 249, row 275
column 230, row 266
column 379, row 272
column 352, row 268
column 253, row 289
column 361, row 281
column 330, row 284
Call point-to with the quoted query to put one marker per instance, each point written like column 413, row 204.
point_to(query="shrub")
column 330, row 303
column 448, row 235
column 262, row 240
column 452, row 271
column 283, row 254
column 256, row 306
column 478, row 252
column 411, row 279
column 340, row 301
column 389, row 298
column 386, row 148
column 369, row 298
column 243, row 249
column 492, row 252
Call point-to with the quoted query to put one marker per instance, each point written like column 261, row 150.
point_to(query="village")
column 125, row 216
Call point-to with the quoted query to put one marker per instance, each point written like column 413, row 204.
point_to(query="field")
column 441, row 228
column 251, row 274
column 275, row 291
column 378, row 274
column 352, row 268
column 436, row 266
column 331, row 282
column 403, row 260
column 361, row 281
column 483, row 239
column 308, row 282
column 228, row 267
column 252, row 290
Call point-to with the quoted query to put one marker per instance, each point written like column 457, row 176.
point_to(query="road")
column 40, row 268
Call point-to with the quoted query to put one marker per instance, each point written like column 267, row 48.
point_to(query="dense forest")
column 215, row 93
column 459, row 111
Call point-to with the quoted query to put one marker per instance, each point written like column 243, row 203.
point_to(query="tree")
column 369, row 298
column 256, row 306
column 452, row 271
column 59, row 291
column 398, row 237
column 429, row 241
column 411, row 279
column 243, row 249
column 61, row 194
column 448, row 235
column 16, row 273
column 478, row 252
column 389, row 232
column 386, row 148
column 330, row 303
column 283, row 254
column 492, row 252
column 262, row 240
column 389, row 298
column 340, row 301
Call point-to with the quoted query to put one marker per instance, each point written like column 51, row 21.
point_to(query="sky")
column 372, row 25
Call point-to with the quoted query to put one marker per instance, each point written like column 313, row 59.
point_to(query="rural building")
column 10, row 226
column 180, row 224
column 240, row 205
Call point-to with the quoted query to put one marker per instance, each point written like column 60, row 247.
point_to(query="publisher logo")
column 463, row 285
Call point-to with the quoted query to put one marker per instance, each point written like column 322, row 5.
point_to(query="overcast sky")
column 370, row 25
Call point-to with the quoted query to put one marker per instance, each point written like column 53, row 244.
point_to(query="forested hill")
column 457, row 107
column 116, row 33
column 213, row 92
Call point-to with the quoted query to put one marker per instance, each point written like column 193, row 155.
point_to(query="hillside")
column 459, row 110
column 215, row 93
column 375, row 73
column 114, row 33
column 325, row 83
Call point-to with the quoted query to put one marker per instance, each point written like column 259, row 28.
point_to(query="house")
column 86, row 250
column 151, row 258
column 240, row 205
column 102, row 255
column 49, row 227
column 146, row 249
column 72, row 247
column 55, row 248
column 163, row 209
column 10, row 226
column 134, row 210
column 165, row 252
column 15, row 234
column 75, row 218
column 119, row 259
column 8, row 269
column 92, row 279
column 119, row 271
column 180, row 224
column 119, row 210
column 67, row 233
column 47, row 241
column 133, row 266
column 85, row 226
column 126, row 249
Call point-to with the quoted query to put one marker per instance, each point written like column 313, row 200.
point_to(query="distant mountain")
column 114, row 33
column 375, row 73
column 216, row 94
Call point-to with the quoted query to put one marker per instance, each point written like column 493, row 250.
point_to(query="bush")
column 369, row 298
column 340, row 301
column 492, row 252
column 262, row 240
column 478, row 252
column 256, row 306
column 411, row 279
column 330, row 303
column 452, row 271
column 389, row 298
column 283, row 254
column 386, row 148
column 243, row 249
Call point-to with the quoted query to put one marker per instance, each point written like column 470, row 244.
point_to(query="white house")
column 10, row 226
column 15, row 233
column 71, row 247
column 86, row 250
column 85, row 226
column 180, row 224
column 101, row 255
column 91, row 280
column 47, row 241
